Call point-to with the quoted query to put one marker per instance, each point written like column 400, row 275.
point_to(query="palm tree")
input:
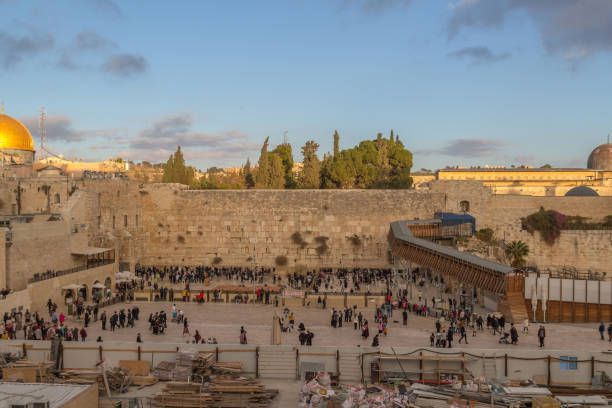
column 517, row 251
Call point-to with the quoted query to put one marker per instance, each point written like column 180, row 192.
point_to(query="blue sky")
column 463, row 82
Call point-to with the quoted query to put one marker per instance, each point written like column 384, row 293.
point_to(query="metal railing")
column 54, row 274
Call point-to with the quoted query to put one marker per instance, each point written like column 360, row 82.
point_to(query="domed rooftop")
column 581, row 191
column 601, row 157
column 14, row 135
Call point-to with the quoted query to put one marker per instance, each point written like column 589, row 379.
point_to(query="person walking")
column 405, row 317
column 541, row 335
column 610, row 332
column 513, row 334
column 449, row 337
column 602, row 329
column 463, row 333
column 243, row 337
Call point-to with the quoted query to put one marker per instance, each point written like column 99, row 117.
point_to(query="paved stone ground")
column 223, row 321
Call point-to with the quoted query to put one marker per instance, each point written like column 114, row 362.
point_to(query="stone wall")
column 168, row 224
column 38, row 247
column 191, row 227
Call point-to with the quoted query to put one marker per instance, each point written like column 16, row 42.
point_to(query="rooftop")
column 22, row 393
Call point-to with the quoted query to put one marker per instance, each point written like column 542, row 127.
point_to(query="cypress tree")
column 311, row 172
column 169, row 171
column 336, row 143
column 277, row 172
column 262, row 175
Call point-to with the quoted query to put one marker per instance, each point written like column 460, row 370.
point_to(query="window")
column 56, row 198
column 568, row 363
column 464, row 206
column 125, row 220
column 136, row 219
column 113, row 222
column 99, row 221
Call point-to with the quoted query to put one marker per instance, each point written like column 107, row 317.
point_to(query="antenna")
column 42, row 131
column 285, row 133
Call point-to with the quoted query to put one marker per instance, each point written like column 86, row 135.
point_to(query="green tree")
column 277, row 173
column 336, row 143
column 310, row 177
column 286, row 155
column 248, row 175
column 546, row 166
column 176, row 171
column 262, row 175
column 517, row 251
column 168, row 176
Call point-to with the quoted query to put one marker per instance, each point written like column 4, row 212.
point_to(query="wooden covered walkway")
column 465, row 267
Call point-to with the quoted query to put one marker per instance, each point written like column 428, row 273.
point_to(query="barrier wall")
column 352, row 363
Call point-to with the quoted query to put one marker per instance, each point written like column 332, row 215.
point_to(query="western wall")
column 168, row 224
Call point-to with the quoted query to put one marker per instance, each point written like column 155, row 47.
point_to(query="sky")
column 462, row 82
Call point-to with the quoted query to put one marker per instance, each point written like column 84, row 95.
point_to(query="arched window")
column 56, row 198
column 464, row 206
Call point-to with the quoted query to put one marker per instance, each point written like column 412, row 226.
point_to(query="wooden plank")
column 22, row 374
column 135, row 367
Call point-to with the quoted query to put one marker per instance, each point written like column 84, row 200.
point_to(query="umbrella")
column 534, row 298
column 544, row 299
column 98, row 285
column 72, row 286
column 276, row 335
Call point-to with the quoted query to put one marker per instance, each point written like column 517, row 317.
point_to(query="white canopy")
column 72, row 286
column 98, row 285
column 127, row 275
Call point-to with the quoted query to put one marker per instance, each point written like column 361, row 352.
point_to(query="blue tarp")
column 450, row 219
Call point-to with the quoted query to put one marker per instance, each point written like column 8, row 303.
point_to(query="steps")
column 350, row 367
column 277, row 364
column 515, row 307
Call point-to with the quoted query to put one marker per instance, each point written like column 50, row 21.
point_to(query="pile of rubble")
column 473, row 393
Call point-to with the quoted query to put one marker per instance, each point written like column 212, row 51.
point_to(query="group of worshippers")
column 201, row 273
column 120, row 319
column 35, row 327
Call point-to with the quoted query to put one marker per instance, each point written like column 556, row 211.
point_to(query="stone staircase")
column 277, row 364
column 350, row 367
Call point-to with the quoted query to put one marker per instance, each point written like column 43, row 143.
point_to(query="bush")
column 355, row 240
column 322, row 249
column 298, row 240
column 548, row 222
column 217, row 260
column 486, row 235
column 280, row 260
column 321, row 239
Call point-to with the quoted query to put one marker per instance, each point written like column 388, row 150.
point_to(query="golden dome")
column 14, row 135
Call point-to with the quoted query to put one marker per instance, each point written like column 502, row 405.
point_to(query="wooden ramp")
column 515, row 307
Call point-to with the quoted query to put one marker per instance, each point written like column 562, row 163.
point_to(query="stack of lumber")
column 240, row 392
column 28, row 371
column 226, row 392
column 184, row 365
column 164, row 370
column 204, row 362
column 118, row 379
column 144, row 380
column 182, row 394
column 227, row 367
column 84, row 377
